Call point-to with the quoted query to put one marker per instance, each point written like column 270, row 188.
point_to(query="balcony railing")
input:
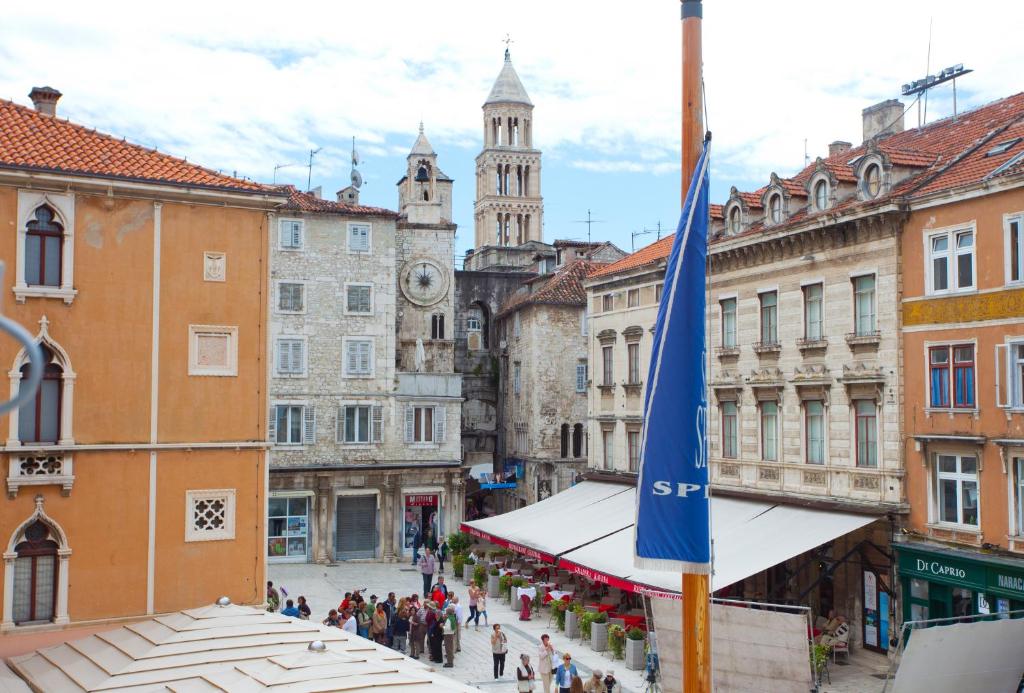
column 772, row 347
column 864, row 338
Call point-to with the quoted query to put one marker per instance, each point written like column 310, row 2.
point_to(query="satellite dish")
column 357, row 179
column 355, row 158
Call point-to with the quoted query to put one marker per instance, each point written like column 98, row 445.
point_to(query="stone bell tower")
column 509, row 209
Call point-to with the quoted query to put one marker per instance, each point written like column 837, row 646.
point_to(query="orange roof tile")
column 647, row 255
column 305, row 202
column 564, row 287
column 33, row 141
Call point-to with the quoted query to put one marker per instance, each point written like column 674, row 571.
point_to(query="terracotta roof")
column 304, row 202
column 647, row 255
column 563, row 288
column 31, row 140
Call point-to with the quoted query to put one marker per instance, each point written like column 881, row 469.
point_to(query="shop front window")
column 288, row 527
column 422, row 518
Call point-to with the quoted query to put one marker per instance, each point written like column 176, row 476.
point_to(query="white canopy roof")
column 596, row 519
column 218, row 648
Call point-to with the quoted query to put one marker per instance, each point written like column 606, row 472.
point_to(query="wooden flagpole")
column 696, row 626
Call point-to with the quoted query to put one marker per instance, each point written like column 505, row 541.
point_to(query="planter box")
column 467, row 572
column 599, row 637
column 572, row 625
column 513, row 599
column 492, row 585
column 635, row 655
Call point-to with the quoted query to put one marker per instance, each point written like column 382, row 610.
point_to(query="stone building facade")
column 365, row 402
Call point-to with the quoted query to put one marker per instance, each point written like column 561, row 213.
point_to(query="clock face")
column 423, row 282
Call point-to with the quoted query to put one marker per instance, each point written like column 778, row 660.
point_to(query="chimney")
column 838, row 147
column 45, row 99
column 349, row 195
column 884, row 118
column 317, row 192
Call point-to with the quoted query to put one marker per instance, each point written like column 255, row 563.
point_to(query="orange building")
column 963, row 363
column 136, row 477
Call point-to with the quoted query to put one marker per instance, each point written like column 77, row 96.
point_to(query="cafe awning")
column 590, row 532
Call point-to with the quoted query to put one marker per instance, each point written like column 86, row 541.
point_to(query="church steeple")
column 425, row 192
column 509, row 208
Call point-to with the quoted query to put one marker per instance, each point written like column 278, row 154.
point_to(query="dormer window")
column 775, row 209
column 821, row 195
column 872, row 181
column 735, row 221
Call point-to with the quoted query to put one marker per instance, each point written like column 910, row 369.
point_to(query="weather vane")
column 508, row 41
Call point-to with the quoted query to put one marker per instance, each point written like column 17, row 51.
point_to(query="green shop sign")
column 995, row 577
column 1002, row 581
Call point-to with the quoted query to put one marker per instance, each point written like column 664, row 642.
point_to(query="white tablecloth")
column 530, row 592
column 558, row 594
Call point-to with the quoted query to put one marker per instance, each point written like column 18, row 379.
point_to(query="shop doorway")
column 422, row 523
column 356, row 527
column 288, row 529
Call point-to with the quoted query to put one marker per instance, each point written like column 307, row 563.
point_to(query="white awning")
column 591, row 531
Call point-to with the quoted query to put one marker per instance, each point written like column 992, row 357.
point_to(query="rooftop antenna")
column 309, row 178
column 927, row 69
column 278, row 167
column 807, row 158
column 658, row 228
column 588, row 221
column 921, row 86
column 356, row 177
column 634, row 234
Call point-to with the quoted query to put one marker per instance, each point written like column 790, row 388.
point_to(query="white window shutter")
column 339, row 425
column 1002, row 376
column 272, row 426
column 377, row 415
column 282, row 230
column 439, row 424
column 410, row 423
column 308, row 425
column 298, row 363
column 351, row 360
column 296, row 234
column 282, row 356
column 364, row 357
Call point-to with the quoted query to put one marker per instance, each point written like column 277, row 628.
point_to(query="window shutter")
column 272, row 425
column 308, row 425
column 282, row 237
column 364, row 357
column 439, row 424
column 296, row 234
column 339, row 425
column 377, row 414
column 410, row 423
column 283, row 357
column 351, row 359
column 298, row 362
column 1002, row 376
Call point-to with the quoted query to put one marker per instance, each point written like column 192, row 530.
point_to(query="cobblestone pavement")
column 325, row 585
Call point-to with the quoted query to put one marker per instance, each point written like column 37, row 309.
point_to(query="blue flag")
column 673, row 524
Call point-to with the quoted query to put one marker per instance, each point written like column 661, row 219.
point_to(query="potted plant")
column 504, row 582
column 459, row 542
column 819, row 660
column 480, row 576
column 458, row 563
column 468, row 570
column 617, row 641
column 572, row 621
column 586, row 624
column 492, row 583
column 635, row 659
column 560, row 609
column 599, row 632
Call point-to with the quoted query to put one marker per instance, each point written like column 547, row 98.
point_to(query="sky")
column 248, row 87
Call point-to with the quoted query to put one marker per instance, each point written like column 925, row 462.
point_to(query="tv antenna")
column 646, row 231
column 921, row 86
column 589, row 221
column 356, row 177
column 278, row 167
column 309, row 178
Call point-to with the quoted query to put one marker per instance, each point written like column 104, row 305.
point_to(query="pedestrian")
column 449, row 629
column 441, row 586
column 379, row 625
column 481, row 608
column 390, row 610
column 332, row 619
column 427, row 570
column 400, row 630
column 473, row 601
column 289, row 609
column 435, row 633
column 611, row 684
column 499, row 648
column 304, row 611
column 546, row 661
column 346, row 603
column 595, row 684
column 525, row 676
column 565, row 673
column 454, row 601
column 577, row 685
column 417, row 629
column 351, row 624
column 362, row 619
column 273, row 598
column 417, row 542
column 442, row 554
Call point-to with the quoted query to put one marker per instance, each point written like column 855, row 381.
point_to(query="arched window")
column 872, row 181
column 437, row 326
column 775, row 209
column 565, row 441
column 821, row 195
column 577, row 440
column 39, row 418
column 44, row 241
column 35, row 576
column 734, row 220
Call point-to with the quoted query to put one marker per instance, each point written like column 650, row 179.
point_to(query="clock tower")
column 425, row 252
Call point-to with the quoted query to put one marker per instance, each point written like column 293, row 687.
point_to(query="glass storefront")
column 288, row 528
column 422, row 521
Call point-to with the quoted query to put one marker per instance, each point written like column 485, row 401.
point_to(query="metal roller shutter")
column 356, row 531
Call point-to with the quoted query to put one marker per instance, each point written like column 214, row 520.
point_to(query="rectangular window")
column 1015, row 250
column 359, row 238
column 291, row 297
column 517, row 375
column 812, row 312
column 360, row 423
column 516, row 325
column 358, row 357
column 607, row 302
column 358, row 300
column 866, row 414
column 951, row 261
column 1017, row 374
column 658, row 288
column 730, row 430
column 814, row 431
column 1018, row 494
column 957, row 489
column 728, row 307
column 584, row 317
column 633, row 298
column 425, row 424
column 581, row 377
column 608, row 447
column 290, row 236
column 633, row 355
column 633, row 441
column 212, row 350
column 291, row 356
column 292, row 424
column 770, row 431
column 864, row 304
column 769, row 317
column 607, row 377
column 957, row 392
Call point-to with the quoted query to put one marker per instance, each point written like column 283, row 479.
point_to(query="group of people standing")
column 563, row 676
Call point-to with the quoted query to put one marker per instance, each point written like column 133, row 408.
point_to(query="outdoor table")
column 557, row 594
column 602, row 608
column 507, row 571
column 530, row 592
column 634, row 621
